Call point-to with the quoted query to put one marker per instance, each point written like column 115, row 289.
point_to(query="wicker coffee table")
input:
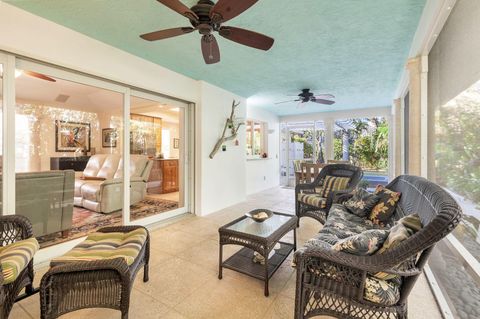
column 259, row 237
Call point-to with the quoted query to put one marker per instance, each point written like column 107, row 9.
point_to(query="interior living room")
column 261, row 159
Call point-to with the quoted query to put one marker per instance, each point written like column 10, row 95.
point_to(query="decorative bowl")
column 259, row 215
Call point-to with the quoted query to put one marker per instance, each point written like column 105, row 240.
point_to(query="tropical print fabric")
column 312, row 200
column 99, row 246
column 382, row 212
column 363, row 244
column 382, row 292
column 361, row 203
column 15, row 257
column 333, row 183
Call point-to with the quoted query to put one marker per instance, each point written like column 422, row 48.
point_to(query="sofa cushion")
column 361, row 203
column 382, row 292
column 91, row 191
column 94, row 165
column 109, row 167
column 99, row 246
column 333, row 183
column 15, row 257
column 137, row 166
column 363, row 244
column 78, row 186
column 315, row 200
column 341, row 224
column 382, row 212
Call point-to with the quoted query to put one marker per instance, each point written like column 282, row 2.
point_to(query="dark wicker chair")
column 342, row 170
column 99, row 284
column 12, row 229
column 342, row 297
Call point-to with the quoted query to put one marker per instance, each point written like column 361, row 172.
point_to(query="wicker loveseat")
column 317, row 207
column 334, row 283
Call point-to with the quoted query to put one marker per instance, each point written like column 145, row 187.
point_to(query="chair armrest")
column 120, row 180
column 340, row 197
column 19, row 223
column 301, row 187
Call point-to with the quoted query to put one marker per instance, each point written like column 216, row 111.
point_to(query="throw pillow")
column 403, row 229
column 333, row 183
column 361, row 203
column 363, row 244
column 382, row 212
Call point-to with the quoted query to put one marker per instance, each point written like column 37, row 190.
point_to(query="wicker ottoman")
column 97, row 273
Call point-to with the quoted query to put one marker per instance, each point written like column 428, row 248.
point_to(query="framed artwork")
column 109, row 137
column 176, row 143
column 70, row 136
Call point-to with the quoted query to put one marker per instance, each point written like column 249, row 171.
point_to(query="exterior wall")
column 262, row 174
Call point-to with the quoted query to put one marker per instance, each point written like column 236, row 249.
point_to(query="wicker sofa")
column 331, row 282
column 318, row 211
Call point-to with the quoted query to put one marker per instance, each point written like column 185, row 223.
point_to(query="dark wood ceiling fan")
column 307, row 96
column 207, row 17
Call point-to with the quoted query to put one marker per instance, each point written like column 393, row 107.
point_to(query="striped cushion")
column 313, row 200
column 333, row 183
column 99, row 246
column 15, row 257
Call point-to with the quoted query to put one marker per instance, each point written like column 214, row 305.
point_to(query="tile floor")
column 183, row 275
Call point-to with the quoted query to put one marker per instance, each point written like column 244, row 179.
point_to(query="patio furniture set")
column 351, row 269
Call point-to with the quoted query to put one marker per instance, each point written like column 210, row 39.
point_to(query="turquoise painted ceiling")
column 353, row 49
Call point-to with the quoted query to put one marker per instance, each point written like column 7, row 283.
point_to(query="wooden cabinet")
column 164, row 176
column 62, row 163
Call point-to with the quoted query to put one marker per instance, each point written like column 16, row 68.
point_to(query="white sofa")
column 100, row 186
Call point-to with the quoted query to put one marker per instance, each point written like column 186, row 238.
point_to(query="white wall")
column 223, row 177
column 219, row 182
column 262, row 174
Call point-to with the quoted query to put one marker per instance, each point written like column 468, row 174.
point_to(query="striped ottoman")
column 97, row 273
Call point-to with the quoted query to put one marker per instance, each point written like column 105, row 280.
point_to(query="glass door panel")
column 157, row 131
column 68, row 155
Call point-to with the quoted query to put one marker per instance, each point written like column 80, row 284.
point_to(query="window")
column 256, row 138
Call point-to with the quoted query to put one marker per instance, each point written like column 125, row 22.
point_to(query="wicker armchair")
column 12, row 229
column 343, row 295
column 341, row 170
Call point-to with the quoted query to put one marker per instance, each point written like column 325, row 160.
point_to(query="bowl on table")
column 259, row 215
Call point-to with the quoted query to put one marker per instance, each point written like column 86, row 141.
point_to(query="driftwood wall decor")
column 230, row 124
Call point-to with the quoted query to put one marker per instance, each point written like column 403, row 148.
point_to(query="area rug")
column 85, row 221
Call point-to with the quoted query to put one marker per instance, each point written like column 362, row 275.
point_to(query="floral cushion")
column 333, row 183
column 312, row 200
column 365, row 243
column 361, row 203
column 15, row 257
column 382, row 292
column 382, row 212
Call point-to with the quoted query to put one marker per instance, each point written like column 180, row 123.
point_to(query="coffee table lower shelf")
column 242, row 261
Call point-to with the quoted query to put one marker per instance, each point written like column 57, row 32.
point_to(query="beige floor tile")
column 19, row 313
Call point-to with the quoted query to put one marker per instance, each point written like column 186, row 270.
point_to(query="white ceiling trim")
column 434, row 17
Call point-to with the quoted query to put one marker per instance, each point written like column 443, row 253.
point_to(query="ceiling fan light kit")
column 207, row 17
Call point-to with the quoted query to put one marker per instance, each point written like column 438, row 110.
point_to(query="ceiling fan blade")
column 39, row 76
column 287, row 102
column 247, row 37
column 327, row 96
column 164, row 34
column 225, row 10
column 179, row 7
column 210, row 50
column 322, row 101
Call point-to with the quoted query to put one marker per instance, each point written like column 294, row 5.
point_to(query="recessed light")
column 449, row 8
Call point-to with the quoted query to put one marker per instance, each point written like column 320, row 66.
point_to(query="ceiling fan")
column 307, row 96
column 29, row 73
column 207, row 17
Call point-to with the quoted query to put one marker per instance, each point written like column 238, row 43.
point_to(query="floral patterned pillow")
column 382, row 212
column 361, row 203
column 363, row 244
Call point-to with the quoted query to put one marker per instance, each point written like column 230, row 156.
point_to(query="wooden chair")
column 310, row 171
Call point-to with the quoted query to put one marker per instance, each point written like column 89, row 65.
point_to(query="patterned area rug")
column 85, row 221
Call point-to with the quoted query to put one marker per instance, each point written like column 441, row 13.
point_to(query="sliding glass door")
column 84, row 153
